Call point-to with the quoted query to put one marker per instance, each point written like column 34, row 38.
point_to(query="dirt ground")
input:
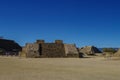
column 14, row 68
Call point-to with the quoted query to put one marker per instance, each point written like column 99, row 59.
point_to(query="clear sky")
column 83, row 22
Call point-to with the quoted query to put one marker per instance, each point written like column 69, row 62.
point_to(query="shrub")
column 110, row 50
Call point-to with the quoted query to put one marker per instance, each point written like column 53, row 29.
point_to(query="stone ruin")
column 71, row 50
column 52, row 50
column 30, row 50
column 89, row 50
column 9, row 47
column 117, row 54
column 49, row 50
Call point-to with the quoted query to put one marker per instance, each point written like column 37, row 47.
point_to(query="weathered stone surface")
column 41, row 49
column 52, row 50
column 89, row 50
column 117, row 54
column 40, row 41
column 57, row 49
column 31, row 50
column 58, row 41
column 23, row 52
column 71, row 50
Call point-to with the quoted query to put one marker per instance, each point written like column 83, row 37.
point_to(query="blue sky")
column 83, row 22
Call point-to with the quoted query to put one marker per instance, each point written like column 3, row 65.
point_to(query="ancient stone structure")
column 30, row 50
column 52, row 50
column 117, row 54
column 10, row 47
column 56, row 49
column 89, row 50
column 71, row 50
column 58, row 41
column 40, row 41
column 23, row 52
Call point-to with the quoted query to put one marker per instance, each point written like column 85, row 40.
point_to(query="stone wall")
column 71, row 50
column 23, row 52
column 49, row 50
column 32, row 50
column 58, row 41
column 40, row 41
column 52, row 50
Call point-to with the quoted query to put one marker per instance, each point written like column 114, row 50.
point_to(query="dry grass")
column 14, row 68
